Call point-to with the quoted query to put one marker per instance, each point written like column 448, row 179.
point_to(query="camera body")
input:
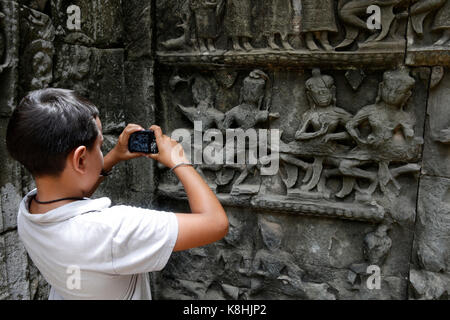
column 143, row 142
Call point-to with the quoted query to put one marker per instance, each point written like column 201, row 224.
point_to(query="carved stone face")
column 201, row 91
column 396, row 87
column 395, row 93
column 321, row 95
column 253, row 90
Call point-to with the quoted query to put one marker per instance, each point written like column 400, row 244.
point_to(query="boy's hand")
column 121, row 151
column 170, row 153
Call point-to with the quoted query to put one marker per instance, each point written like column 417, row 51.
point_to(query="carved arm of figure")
column 229, row 118
column 256, row 266
column 336, row 136
column 219, row 120
column 408, row 130
column 352, row 127
column 187, row 111
column 303, row 135
column 263, row 116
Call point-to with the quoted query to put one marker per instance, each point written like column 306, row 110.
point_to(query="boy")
column 86, row 248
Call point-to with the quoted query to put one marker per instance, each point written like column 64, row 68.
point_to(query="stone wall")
column 364, row 177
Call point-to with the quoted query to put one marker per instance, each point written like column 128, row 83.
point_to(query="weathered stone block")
column 431, row 242
column 36, row 50
column 137, row 17
column 9, row 56
column 10, row 183
column 98, row 75
column 140, row 109
column 437, row 136
column 39, row 288
column 426, row 285
column 17, row 267
column 101, row 22
column 4, row 290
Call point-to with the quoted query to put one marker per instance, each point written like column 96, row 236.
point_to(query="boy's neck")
column 49, row 189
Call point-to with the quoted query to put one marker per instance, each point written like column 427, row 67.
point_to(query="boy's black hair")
column 46, row 126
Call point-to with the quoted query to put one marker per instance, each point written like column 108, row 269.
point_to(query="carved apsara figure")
column 278, row 16
column 205, row 17
column 249, row 112
column 354, row 16
column 238, row 22
column 391, row 133
column 318, row 20
column 204, row 109
column 320, row 121
column 272, row 263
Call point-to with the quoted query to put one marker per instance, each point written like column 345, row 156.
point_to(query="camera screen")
column 143, row 142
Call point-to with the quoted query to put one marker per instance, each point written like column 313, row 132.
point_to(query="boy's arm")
column 208, row 221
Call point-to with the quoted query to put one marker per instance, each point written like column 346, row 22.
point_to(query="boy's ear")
column 79, row 159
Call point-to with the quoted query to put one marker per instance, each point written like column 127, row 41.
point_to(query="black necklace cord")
column 57, row 200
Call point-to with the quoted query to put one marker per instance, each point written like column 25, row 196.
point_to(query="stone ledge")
column 303, row 207
column 292, row 59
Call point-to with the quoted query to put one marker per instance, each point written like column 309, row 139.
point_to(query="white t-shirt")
column 89, row 250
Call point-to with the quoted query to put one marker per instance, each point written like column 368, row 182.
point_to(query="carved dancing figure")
column 204, row 112
column 248, row 114
column 350, row 14
column 273, row 263
column 238, row 21
column 318, row 20
column 204, row 109
column 418, row 12
column 320, row 121
column 278, row 19
column 206, row 13
column 391, row 133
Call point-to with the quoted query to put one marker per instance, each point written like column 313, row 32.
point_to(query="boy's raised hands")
column 121, row 151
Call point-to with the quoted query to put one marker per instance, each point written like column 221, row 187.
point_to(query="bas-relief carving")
column 428, row 33
column 230, row 32
column 3, row 49
column 357, row 159
column 37, row 49
column 437, row 133
column 420, row 10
